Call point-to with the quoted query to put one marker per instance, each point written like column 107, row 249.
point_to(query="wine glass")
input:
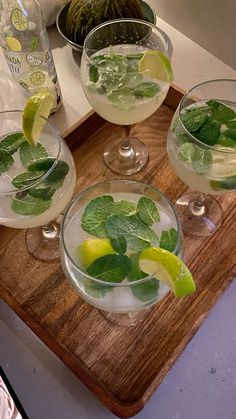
column 36, row 183
column 119, row 89
column 202, row 150
column 125, row 300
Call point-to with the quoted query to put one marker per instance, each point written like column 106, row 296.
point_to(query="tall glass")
column 36, row 183
column 126, row 302
column 117, row 87
column 202, row 151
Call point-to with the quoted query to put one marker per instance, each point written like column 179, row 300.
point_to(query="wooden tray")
column 122, row 366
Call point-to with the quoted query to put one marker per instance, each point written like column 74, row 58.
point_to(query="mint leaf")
column 146, row 89
column 221, row 112
column 229, row 183
column 180, row 135
column 194, row 119
column 42, row 193
column 169, row 239
column 26, row 179
column 119, row 244
column 110, row 268
column 29, row 153
column 231, row 133
column 122, row 98
column 138, row 235
column 95, row 214
column 226, row 141
column 210, row 132
column 12, row 142
column 56, row 177
column 146, row 291
column 231, row 124
column 93, row 73
column 186, row 152
column 201, row 160
column 124, row 207
column 41, row 164
column 58, row 173
column 147, row 211
column 29, row 205
column 6, row 161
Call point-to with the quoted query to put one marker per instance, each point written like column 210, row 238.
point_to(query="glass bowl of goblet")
column 104, row 230
column 36, row 183
column 202, row 150
column 126, row 74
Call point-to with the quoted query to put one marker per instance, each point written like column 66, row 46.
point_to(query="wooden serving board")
column 122, row 366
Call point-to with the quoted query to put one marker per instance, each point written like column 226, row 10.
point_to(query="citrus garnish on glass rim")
column 169, row 269
column 156, row 64
column 38, row 105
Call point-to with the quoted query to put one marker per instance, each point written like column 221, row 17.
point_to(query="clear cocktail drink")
column 206, row 163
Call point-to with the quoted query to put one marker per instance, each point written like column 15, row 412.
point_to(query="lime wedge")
column 92, row 249
column 155, row 64
column 169, row 269
column 38, row 105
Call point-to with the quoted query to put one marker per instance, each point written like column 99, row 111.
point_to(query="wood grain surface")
column 122, row 366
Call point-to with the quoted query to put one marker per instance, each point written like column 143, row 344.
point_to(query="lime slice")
column 155, row 64
column 18, row 20
column 37, row 78
column 169, row 269
column 92, row 249
column 38, row 105
column 13, row 43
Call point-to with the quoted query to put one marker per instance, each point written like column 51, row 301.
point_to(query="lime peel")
column 38, row 105
column 168, row 268
column 156, row 64
column 92, row 249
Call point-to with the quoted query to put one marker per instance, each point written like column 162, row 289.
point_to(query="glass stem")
column 51, row 230
column 126, row 151
column 197, row 207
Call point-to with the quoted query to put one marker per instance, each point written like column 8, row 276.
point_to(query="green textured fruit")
column 84, row 15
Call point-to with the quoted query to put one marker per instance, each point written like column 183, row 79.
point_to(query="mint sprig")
column 29, row 205
column 110, row 268
column 12, row 142
column 29, row 153
column 138, row 234
column 93, row 220
column 221, row 112
column 146, row 291
column 119, row 244
column 169, row 239
column 147, row 210
column 6, row 161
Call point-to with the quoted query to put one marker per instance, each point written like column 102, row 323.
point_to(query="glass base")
column 43, row 242
column 127, row 319
column 199, row 220
column 126, row 160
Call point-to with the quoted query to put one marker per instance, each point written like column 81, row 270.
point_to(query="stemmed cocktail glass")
column 106, row 271
column 36, row 183
column 202, row 150
column 122, row 87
